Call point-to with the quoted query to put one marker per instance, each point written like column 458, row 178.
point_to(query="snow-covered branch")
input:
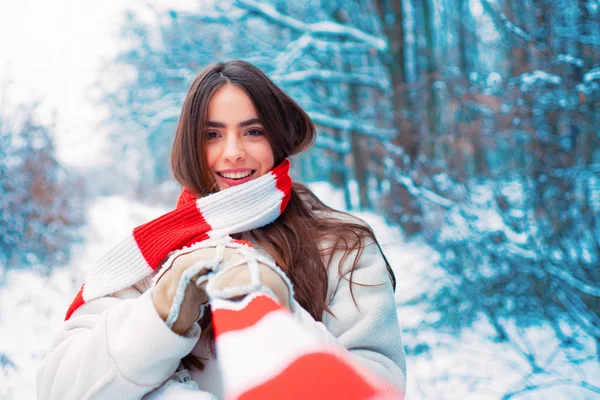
column 574, row 282
column 591, row 75
column 509, row 26
column 579, row 311
column 151, row 122
column 550, row 384
column 211, row 16
column 419, row 192
column 505, row 22
column 394, row 150
column 349, row 124
column 333, row 77
column 533, row 77
column 293, row 51
column 325, row 141
column 324, row 28
column 569, row 59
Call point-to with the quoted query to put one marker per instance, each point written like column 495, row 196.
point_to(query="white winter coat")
column 117, row 347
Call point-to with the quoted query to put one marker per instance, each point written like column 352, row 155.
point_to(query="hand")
column 194, row 296
column 166, row 288
column 240, row 275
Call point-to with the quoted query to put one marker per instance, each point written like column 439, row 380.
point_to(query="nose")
column 234, row 149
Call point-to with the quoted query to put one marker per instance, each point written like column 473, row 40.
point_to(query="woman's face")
column 237, row 149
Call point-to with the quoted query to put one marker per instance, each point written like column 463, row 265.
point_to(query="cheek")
column 268, row 159
column 211, row 155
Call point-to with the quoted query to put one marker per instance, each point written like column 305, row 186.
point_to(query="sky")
column 52, row 52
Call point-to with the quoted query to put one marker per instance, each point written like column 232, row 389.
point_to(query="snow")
column 529, row 79
column 494, row 79
column 340, row 147
column 440, row 364
column 318, row 28
column 569, row 59
column 32, row 306
column 517, row 30
column 406, row 181
column 351, row 124
column 301, row 77
column 591, row 75
column 292, row 52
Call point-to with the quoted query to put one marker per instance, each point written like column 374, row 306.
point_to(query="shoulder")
column 345, row 228
column 351, row 245
column 333, row 224
column 340, row 215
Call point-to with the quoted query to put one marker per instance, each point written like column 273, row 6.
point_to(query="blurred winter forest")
column 41, row 203
column 472, row 125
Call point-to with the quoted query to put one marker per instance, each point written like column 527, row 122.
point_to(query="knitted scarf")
column 237, row 209
column 266, row 353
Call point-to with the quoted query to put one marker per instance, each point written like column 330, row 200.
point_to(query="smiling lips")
column 233, row 178
column 236, row 175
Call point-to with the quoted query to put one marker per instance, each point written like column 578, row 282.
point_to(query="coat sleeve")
column 112, row 348
column 364, row 321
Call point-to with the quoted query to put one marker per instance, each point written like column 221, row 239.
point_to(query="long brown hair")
column 307, row 234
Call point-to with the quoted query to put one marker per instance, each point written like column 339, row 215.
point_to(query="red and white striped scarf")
column 237, row 209
column 265, row 353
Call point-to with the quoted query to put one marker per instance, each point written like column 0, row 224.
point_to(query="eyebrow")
column 248, row 122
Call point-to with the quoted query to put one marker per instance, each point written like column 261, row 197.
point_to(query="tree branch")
column 324, row 28
column 333, row 77
column 510, row 27
column 349, row 124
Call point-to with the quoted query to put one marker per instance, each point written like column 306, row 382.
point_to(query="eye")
column 211, row 135
column 254, row 132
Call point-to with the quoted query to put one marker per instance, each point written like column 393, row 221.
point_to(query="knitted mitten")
column 209, row 273
column 244, row 257
column 198, row 273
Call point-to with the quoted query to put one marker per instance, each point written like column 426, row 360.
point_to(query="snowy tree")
column 41, row 206
column 144, row 89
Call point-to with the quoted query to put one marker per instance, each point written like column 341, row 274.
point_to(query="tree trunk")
column 392, row 17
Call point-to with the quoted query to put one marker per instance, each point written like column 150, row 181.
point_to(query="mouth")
column 236, row 178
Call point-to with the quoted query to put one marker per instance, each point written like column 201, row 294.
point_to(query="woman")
column 127, row 332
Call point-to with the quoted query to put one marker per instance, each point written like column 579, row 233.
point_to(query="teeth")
column 236, row 175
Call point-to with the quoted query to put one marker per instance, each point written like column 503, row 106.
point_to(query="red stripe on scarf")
column 225, row 320
column 186, row 226
column 283, row 182
column 185, row 197
column 76, row 303
column 314, row 376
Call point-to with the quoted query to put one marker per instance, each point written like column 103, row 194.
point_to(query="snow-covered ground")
column 32, row 306
column 440, row 365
